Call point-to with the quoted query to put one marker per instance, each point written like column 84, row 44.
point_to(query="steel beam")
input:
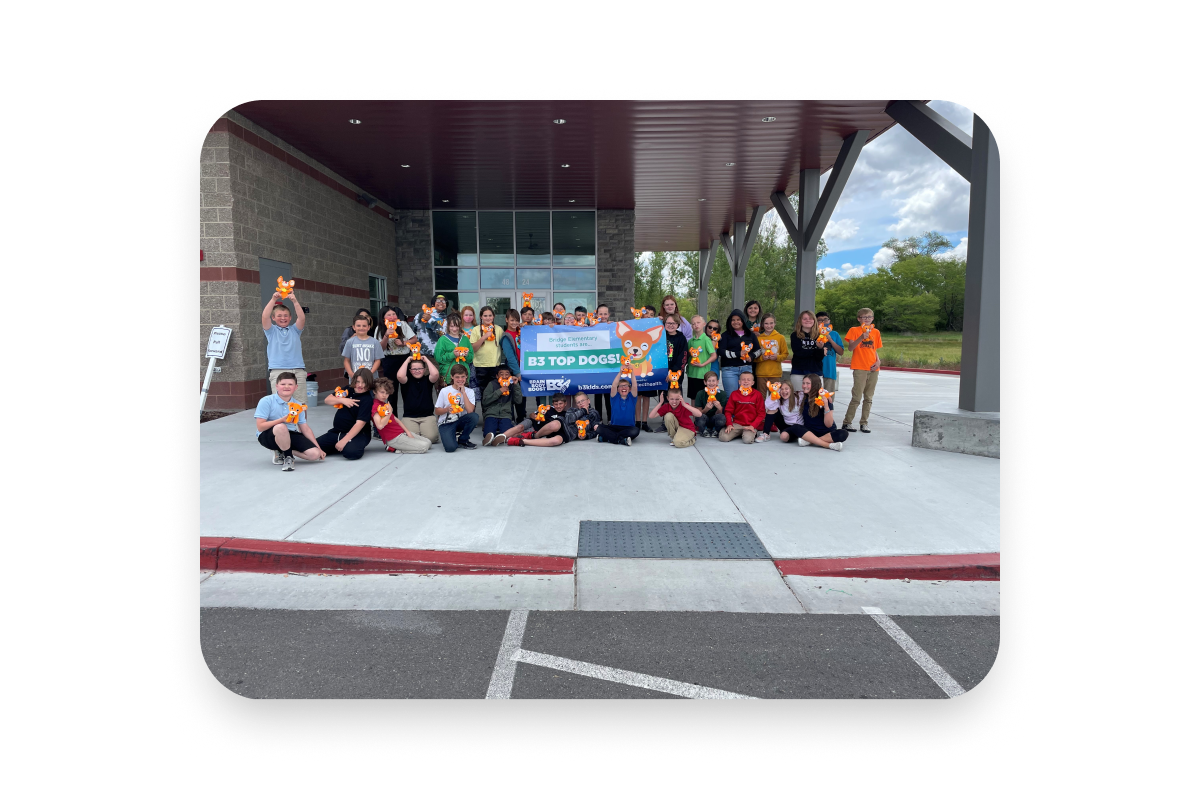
column 806, row 259
column 738, row 248
column 979, row 382
column 943, row 137
column 852, row 145
column 706, row 263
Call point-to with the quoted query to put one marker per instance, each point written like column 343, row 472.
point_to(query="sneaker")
column 468, row 445
column 846, row 426
column 497, row 440
column 627, row 441
column 526, row 435
column 837, row 445
column 803, row 442
column 516, row 441
column 277, row 459
column 863, row 427
column 288, row 461
column 487, row 439
column 763, row 437
column 390, row 449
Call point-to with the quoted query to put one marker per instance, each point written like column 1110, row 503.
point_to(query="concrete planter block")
column 945, row 426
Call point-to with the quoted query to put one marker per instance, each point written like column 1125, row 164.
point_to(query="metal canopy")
column 665, row 159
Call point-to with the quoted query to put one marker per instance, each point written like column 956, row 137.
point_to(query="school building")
column 366, row 203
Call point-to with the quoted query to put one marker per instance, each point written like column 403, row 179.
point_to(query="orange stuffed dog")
column 455, row 402
column 711, row 392
column 625, row 369
column 425, row 312
column 823, row 334
column 745, row 351
column 774, row 387
column 527, row 299
column 340, row 392
column 673, row 378
column 391, row 328
column 384, row 410
column 415, row 349
column 540, row 414
column 460, row 354
column 284, row 288
column 581, row 427
column 504, row 382
column 695, row 351
column 294, row 411
column 636, row 312
column 824, row 399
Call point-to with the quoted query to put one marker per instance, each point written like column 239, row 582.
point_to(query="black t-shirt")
column 815, row 424
column 807, row 355
column 345, row 417
column 677, row 351
column 418, row 397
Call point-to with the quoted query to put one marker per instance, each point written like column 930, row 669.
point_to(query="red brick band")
column 253, row 276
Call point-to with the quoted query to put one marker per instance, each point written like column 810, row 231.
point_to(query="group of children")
column 734, row 379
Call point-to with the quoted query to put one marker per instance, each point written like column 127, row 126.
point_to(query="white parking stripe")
column 931, row 667
column 688, row 690
column 500, row 687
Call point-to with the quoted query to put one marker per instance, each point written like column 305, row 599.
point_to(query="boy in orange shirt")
column 864, row 342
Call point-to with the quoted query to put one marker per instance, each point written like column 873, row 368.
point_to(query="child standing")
column 711, row 402
column 485, row 342
column 393, row 335
column 820, row 428
column 735, row 358
column 744, row 411
column 698, row 362
column 621, row 428
column 864, row 342
column 677, row 355
column 834, row 347
column 361, row 350
column 603, row 401
column 510, row 350
column 282, row 431
column 677, row 416
column 499, row 397
column 769, row 366
column 283, row 338
column 397, row 439
column 454, row 340
column 455, row 408
column 351, row 431
column 807, row 353
column 753, row 312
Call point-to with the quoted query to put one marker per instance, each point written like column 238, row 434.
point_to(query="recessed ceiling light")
column 768, row 119
column 701, row 199
column 404, row 165
column 570, row 201
column 729, row 163
column 445, row 201
column 559, row 121
column 356, row 122
column 566, row 165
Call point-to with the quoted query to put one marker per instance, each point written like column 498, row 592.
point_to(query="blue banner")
column 567, row 358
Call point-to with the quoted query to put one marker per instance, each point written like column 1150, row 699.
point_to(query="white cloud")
column 841, row 229
column 852, row 271
column 959, row 252
column 830, row 274
column 884, row 257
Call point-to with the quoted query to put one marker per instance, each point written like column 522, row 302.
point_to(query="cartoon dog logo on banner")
column 636, row 345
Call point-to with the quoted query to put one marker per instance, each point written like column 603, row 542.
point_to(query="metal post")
column 706, row 262
column 806, row 260
column 979, row 384
column 212, row 363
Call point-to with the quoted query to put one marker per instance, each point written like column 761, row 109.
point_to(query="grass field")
column 941, row 350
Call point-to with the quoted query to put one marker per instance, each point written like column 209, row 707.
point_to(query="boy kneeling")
column 677, row 417
column 392, row 432
column 283, row 427
column 744, row 411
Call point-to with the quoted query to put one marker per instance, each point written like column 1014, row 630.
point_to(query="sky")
column 899, row 188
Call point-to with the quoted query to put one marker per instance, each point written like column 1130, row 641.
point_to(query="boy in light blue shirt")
column 283, row 426
column 283, row 338
column 833, row 349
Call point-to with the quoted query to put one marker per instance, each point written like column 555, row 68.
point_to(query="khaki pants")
column 301, row 374
column 830, row 384
column 747, row 433
column 680, row 436
column 425, row 427
column 407, row 443
column 864, row 390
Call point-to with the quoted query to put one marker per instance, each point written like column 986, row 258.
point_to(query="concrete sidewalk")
column 879, row 496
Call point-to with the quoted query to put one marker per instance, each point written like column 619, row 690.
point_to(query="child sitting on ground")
column 392, row 432
column 744, row 411
column 583, row 412
column 351, row 431
column 499, row 396
column 820, row 428
column 283, row 427
column 677, row 416
column 711, row 401
column 549, row 431
column 621, row 428
column 787, row 415
column 455, row 407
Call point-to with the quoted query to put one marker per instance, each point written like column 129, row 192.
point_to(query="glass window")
column 378, row 291
column 533, row 278
column 496, row 279
column 533, row 239
column 454, row 239
column 574, row 238
column 455, row 279
column 496, row 238
column 457, row 300
column 572, row 299
column 575, row 279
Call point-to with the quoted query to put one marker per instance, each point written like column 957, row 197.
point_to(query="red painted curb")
column 915, row 369
column 261, row 555
column 966, row 567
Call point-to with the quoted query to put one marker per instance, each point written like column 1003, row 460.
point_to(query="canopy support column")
column 738, row 249
column 706, row 262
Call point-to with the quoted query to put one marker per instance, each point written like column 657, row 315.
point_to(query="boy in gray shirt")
column 362, row 349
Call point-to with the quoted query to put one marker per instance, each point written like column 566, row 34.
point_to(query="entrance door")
column 502, row 301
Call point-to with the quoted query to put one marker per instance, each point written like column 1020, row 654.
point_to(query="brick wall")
column 414, row 258
column 259, row 197
column 616, row 259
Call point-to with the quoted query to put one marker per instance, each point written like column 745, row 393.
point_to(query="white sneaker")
column 836, row 446
column 287, row 463
column 488, row 439
column 805, row 442
column 277, row 459
column 763, row 437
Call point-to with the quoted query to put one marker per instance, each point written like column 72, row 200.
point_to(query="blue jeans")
column 706, row 422
column 495, row 425
column 729, row 377
column 454, row 432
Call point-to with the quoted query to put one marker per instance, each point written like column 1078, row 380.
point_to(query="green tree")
column 928, row 243
column 918, row 313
